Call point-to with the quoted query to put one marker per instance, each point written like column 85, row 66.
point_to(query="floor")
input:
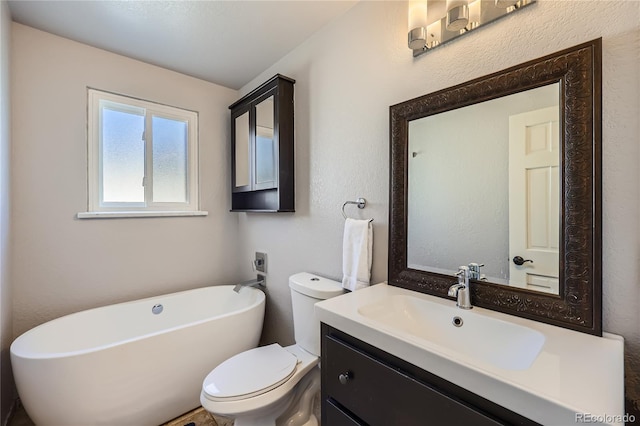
column 197, row 417
column 19, row 417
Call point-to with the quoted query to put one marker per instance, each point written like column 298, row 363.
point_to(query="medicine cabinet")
column 262, row 155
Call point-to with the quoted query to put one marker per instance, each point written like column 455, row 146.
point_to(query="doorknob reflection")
column 519, row 260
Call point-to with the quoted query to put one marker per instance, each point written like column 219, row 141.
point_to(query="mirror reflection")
column 243, row 147
column 484, row 188
column 265, row 146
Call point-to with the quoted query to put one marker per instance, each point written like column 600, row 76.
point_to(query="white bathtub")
column 124, row 365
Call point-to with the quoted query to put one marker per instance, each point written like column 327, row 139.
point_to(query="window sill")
column 112, row 215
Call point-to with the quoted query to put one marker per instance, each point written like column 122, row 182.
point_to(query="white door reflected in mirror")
column 534, row 199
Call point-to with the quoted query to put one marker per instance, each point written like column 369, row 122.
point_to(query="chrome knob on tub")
column 344, row 378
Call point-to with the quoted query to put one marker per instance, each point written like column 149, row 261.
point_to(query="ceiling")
column 224, row 42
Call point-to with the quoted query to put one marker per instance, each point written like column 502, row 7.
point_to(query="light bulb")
column 417, row 24
column 417, row 14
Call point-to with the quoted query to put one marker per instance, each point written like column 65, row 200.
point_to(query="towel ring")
column 360, row 202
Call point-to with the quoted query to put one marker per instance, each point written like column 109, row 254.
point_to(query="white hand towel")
column 357, row 245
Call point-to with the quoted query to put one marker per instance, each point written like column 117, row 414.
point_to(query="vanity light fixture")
column 456, row 19
column 417, row 24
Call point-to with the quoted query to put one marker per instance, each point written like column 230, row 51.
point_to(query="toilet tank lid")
column 315, row 286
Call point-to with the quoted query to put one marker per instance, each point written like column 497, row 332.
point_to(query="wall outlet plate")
column 260, row 262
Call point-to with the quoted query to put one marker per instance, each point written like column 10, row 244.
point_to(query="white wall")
column 349, row 73
column 62, row 264
column 6, row 323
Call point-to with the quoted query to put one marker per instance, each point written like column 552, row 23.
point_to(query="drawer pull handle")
column 344, row 378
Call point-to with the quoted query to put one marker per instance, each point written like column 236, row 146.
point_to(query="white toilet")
column 272, row 385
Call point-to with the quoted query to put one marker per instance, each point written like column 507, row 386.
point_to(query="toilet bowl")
column 275, row 385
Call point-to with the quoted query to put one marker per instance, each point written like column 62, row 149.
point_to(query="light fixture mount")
column 457, row 18
column 417, row 38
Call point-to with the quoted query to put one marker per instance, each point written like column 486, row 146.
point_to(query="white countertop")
column 575, row 374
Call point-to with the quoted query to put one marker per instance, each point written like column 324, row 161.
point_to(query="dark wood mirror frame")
column 578, row 70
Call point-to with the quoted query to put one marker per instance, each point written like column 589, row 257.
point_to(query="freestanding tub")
column 128, row 364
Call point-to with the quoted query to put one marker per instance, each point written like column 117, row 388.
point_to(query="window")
column 143, row 158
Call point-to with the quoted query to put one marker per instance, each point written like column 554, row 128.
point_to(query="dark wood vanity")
column 262, row 153
column 363, row 385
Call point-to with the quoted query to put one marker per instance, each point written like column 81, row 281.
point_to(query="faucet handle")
column 474, row 271
column 463, row 275
column 462, row 270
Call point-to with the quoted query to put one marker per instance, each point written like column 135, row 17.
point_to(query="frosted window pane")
column 169, row 160
column 122, row 156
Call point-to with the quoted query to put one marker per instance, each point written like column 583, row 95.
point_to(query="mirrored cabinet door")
column 242, row 153
column 265, row 158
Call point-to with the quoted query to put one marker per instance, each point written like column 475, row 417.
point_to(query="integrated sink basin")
column 457, row 332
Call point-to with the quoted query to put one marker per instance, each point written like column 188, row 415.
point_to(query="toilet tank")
column 306, row 290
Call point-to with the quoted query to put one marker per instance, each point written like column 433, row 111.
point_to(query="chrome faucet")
column 461, row 289
column 260, row 281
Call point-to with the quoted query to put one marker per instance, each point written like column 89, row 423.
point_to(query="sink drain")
column 457, row 321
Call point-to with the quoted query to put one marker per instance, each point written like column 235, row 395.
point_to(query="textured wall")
column 6, row 323
column 62, row 264
column 349, row 73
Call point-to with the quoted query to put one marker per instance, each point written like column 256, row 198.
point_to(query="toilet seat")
column 250, row 373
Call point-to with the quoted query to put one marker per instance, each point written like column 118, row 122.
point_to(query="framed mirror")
column 505, row 171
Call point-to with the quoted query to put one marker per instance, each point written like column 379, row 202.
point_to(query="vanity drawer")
column 335, row 416
column 382, row 395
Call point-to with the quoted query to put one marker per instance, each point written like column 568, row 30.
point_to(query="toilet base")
column 264, row 418
column 297, row 410
column 300, row 411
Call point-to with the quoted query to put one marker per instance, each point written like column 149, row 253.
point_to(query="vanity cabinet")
column 262, row 153
column 362, row 385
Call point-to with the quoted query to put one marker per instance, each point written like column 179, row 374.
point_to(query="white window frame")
column 99, row 208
